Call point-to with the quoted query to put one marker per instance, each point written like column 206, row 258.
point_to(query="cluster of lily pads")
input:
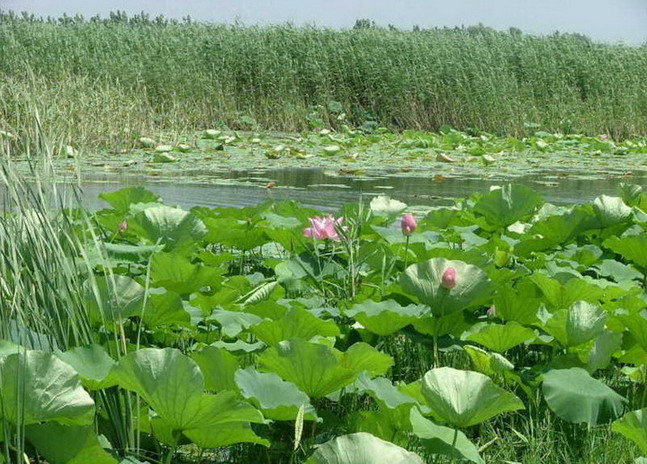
column 352, row 142
column 272, row 331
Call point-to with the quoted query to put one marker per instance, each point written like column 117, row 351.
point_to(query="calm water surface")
column 327, row 191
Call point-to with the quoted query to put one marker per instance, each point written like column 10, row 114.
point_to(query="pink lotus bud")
column 491, row 312
column 408, row 224
column 123, row 226
column 448, row 280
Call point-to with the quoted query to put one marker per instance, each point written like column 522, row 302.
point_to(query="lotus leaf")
column 278, row 399
column 424, row 281
column 444, row 440
column 577, row 397
column 384, row 317
column 465, row 398
column 633, row 425
column 37, row 387
column 362, row 448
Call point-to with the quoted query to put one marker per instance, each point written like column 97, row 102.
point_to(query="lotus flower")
column 448, row 280
column 323, row 228
column 123, row 226
column 408, row 224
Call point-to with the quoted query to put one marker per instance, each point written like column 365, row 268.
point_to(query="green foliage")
column 577, row 397
column 362, row 448
column 424, row 281
column 55, row 393
column 465, row 398
column 211, row 341
column 172, row 74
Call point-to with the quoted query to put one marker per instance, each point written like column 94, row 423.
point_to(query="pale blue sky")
column 608, row 20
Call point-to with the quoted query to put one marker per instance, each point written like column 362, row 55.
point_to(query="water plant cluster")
column 208, row 155
column 502, row 328
column 106, row 79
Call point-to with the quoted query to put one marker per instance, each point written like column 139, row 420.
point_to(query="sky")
column 603, row 20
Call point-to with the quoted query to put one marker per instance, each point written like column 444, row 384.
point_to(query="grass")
column 102, row 81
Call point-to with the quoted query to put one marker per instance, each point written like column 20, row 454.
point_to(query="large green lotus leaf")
column 121, row 199
column 618, row 271
column 113, row 298
column 121, row 252
column 577, row 397
column 606, row 344
column 384, row 317
column 392, row 425
column 38, row 387
column 225, row 435
column 92, row 363
column 631, row 194
column 486, row 363
column 636, row 323
column 633, row 425
column 228, row 296
column 453, row 324
column 611, row 210
column 316, row 369
column 165, row 308
column 383, row 391
column 362, row 448
column 172, row 384
column 576, row 325
column 176, row 273
column 563, row 295
column 61, row 444
column 423, row 280
column 233, row 322
column 631, row 247
column 239, row 347
column 218, row 366
column 268, row 309
column 443, row 440
column 507, row 205
column 243, row 235
column 502, row 337
column 276, row 221
column 276, row 398
column 172, row 227
column 519, row 303
column 465, row 398
column 297, row 323
column 362, row 357
column 558, row 229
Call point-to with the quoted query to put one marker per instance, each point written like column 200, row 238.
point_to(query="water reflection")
column 324, row 190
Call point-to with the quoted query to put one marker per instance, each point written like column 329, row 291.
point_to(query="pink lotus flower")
column 448, row 280
column 123, row 226
column 408, row 224
column 491, row 312
column 323, row 228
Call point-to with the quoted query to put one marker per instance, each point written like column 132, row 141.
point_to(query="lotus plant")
column 324, row 228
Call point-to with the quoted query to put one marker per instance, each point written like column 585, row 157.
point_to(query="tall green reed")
column 102, row 82
column 48, row 257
